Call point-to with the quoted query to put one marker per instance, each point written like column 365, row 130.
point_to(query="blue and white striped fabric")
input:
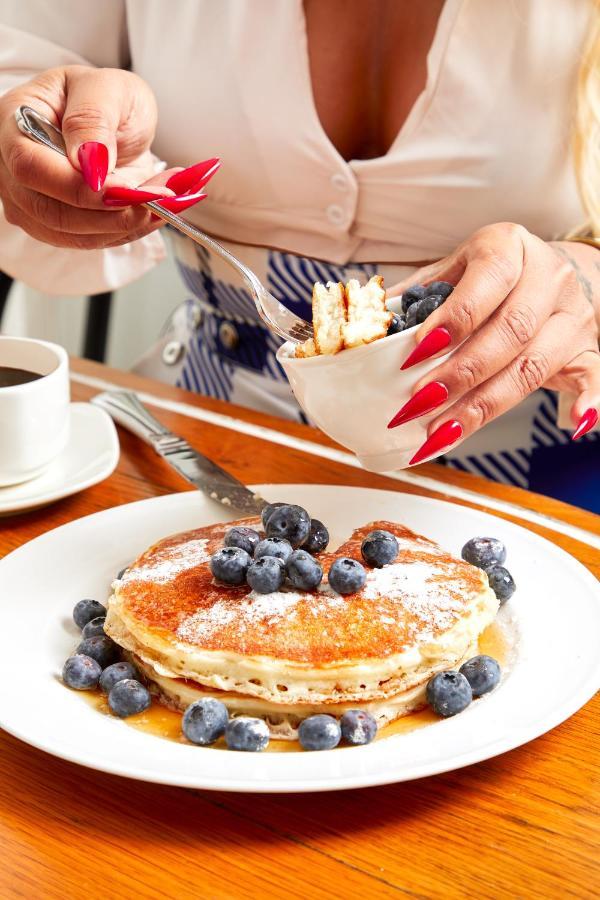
column 230, row 355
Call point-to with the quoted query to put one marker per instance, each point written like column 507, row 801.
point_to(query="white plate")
column 557, row 668
column 90, row 456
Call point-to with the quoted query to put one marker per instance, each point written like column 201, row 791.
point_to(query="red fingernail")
column 424, row 401
column 122, row 196
column 178, row 204
column 588, row 420
column 93, row 159
column 194, row 177
column 440, row 439
column 431, row 344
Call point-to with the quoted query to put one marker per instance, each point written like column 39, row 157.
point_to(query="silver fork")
column 273, row 313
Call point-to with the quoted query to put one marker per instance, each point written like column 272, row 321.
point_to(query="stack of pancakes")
column 290, row 654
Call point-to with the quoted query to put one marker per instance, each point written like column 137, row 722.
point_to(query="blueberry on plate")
column 81, row 672
column 428, row 305
column 277, row 547
column 266, row 574
column 440, row 287
column 86, row 610
column 303, row 570
column 358, row 727
column 100, row 648
column 448, row 693
column 128, row 697
column 484, row 552
column 119, row 671
column 379, row 548
column 290, row 522
column 205, row 721
column 268, row 510
column 501, row 582
column 246, row 733
column 346, row 576
column 230, row 565
column 411, row 295
column 319, row 732
column 482, row 672
column 242, row 537
column 318, row 537
column 397, row 324
column 94, row 627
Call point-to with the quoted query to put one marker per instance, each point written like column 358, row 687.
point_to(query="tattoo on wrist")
column 584, row 283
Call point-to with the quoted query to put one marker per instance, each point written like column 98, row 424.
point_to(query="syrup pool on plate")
column 163, row 722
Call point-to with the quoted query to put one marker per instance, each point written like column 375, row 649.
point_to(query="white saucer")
column 91, row 454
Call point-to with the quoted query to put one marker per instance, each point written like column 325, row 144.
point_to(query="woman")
column 356, row 136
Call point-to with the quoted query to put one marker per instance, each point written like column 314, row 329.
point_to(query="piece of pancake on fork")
column 290, row 653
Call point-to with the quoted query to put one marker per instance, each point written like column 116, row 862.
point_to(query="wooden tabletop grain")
column 525, row 824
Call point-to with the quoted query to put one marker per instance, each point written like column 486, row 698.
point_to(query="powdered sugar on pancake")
column 164, row 566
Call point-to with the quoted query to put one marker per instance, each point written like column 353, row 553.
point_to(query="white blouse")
column 487, row 140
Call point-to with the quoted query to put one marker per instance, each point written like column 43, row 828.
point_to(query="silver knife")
column 126, row 409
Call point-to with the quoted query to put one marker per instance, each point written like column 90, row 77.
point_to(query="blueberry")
column 268, row 511
column 291, row 523
column 266, row 574
column 230, row 565
column 358, row 727
column 482, row 673
column 501, row 582
column 484, row 552
column 379, row 548
column 245, row 733
column 128, row 697
column 242, row 537
column 411, row 295
column 411, row 315
column 448, row 693
column 319, row 733
column 428, row 305
column 94, row 627
column 277, row 547
column 117, row 672
column 397, row 324
column 100, row 648
column 86, row 610
column 81, row 672
column 303, row 570
column 440, row 287
column 318, row 537
column 204, row 721
column 346, row 576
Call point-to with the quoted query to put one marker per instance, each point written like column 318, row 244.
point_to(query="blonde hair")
column 586, row 134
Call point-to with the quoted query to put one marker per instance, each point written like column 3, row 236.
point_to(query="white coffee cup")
column 34, row 416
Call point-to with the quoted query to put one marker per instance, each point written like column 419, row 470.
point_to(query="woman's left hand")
column 521, row 316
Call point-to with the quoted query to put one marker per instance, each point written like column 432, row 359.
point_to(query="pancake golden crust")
column 170, row 592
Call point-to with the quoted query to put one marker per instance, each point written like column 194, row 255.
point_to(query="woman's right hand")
column 47, row 195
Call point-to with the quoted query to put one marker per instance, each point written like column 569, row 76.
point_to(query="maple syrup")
column 165, row 723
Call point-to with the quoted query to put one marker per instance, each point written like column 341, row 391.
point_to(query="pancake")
column 283, row 719
column 415, row 617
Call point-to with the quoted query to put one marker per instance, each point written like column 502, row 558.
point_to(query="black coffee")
column 9, row 376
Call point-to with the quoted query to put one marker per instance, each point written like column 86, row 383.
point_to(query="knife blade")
column 126, row 408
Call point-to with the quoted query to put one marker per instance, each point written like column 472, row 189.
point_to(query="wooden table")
column 522, row 825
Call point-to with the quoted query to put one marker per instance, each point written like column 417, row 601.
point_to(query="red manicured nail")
column 122, row 196
column 440, row 439
column 93, row 159
column 586, row 423
column 424, row 401
column 178, row 204
column 194, row 177
column 431, row 344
